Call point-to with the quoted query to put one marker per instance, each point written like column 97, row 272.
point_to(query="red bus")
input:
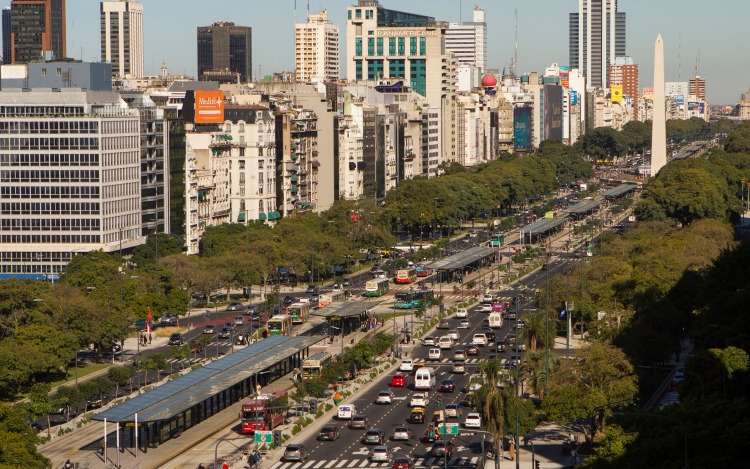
column 255, row 416
column 406, row 275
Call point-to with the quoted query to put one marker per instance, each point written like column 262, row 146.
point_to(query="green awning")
column 276, row 215
column 241, row 217
column 262, row 216
column 294, row 156
column 294, row 190
column 294, row 178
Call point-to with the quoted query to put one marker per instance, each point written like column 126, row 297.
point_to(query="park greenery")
column 677, row 274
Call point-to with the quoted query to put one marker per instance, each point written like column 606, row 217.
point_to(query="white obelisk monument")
column 659, row 130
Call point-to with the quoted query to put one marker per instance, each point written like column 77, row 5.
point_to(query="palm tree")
column 533, row 369
column 535, row 330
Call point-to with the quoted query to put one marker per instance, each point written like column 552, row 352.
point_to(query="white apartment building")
column 467, row 41
column 122, row 37
column 316, row 46
column 230, row 176
column 70, row 172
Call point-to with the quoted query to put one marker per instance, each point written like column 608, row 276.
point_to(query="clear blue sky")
column 717, row 31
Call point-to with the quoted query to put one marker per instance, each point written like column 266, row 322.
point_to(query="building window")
column 44, row 72
column 358, row 46
column 422, row 46
column 401, row 46
column 391, row 46
column 368, row 14
column 370, row 46
column 374, row 69
column 349, row 14
column 59, row 72
column 396, row 69
column 380, row 46
column 242, row 164
column 412, row 46
column 358, row 13
column 358, row 69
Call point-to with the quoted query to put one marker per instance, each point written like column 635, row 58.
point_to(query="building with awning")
column 346, row 317
column 465, row 261
column 166, row 411
column 543, row 228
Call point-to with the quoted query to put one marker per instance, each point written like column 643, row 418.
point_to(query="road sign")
column 263, row 436
column 449, row 429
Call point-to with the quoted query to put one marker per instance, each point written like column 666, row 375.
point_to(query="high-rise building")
column 37, row 30
column 468, row 42
column 70, row 180
column 316, row 45
column 698, row 87
column 383, row 43
column 122, row 37
column 597, row 36
column 7, row 44
column 224, row 47
column 625, row 73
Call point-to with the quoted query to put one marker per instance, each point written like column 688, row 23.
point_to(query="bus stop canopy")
column 347, row 309
column 542, row 226
column 176, row 396
column 585, row 206
column 619, row 190
column 462, row 259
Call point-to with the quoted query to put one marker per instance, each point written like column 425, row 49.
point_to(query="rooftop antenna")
column 460, row 11
column 308, row 10
column 697, row 62
column 679, row 57
column 295, row 12
column 515, row 52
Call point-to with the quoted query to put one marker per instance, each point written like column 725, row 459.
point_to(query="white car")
column 418, row 400
column 429, row 341
column 475, row 385
column 485, row 308
column 473, row 420
column 380, row 454
column 459, row 355
column 406, row 365
column 453, row 334
column 487, row 298
column 462, row 313
column 464, row 324
column 384, row 397
column 479, row 339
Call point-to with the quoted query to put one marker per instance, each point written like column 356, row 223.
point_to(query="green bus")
column 496, row 240
column 377, row 287
column 299, row 312
column 281, row 324
column 413, row 299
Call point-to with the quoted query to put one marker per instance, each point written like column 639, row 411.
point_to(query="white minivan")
column 479, row 339
column 346, row 411
column 434, row 354
column 445, row 342
column 424, row 378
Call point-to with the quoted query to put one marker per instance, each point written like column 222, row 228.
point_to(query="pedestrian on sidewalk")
column 102, row 445
column 149, row 338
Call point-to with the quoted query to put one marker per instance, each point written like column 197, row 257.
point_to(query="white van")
column 479, row 339
column 424, row 379
column 346, row 411
column 434, row 354
column 445, row 342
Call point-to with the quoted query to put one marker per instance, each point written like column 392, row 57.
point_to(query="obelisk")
column 659, row 130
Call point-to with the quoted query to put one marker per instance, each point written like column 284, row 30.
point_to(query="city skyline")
column 703, row 34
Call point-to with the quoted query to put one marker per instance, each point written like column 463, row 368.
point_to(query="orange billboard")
column 209, row 107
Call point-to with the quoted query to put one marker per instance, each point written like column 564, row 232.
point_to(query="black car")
column 225, row 333
column 472, row 350
column 447, row 385
column 289, row 299
column 442, row 448
column 490, row 334
column 329, row 432
column 501, row 346
column 373, row 436
column 312, row 289
column 176, row 339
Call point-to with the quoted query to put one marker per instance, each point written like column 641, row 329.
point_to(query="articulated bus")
column 300, row 312
column 406, row 275
column 413, row 299
column 377, row 287
column 327, row 298
column 281, row 324
column 496, row 240
column 312, row 366
column 257, row 416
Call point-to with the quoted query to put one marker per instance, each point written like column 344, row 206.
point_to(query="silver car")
column 380, row 454
column 295, row 453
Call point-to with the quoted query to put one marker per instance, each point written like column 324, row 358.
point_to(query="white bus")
column 424, row 378
column 496, row 320
column 377, row 287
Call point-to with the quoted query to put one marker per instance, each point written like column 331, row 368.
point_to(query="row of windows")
column 121, row 127
column 42, row 111
column 396, row 46
column 49, row 127
column 49, row 192
column 39, row 257
column 49, row 143
column 44, row 239
column 50, row 224
column 120, row 190
column 121, row 206
column 120, row 143
column 49, row 208
column 120, row 174
column 64, row 175
column 49, row 159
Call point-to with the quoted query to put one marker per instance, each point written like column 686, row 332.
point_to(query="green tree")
column 40, row 402
column 120, row 376
column 68, row 397
column 18, row 441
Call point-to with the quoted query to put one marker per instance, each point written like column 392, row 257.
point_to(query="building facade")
column 122, row 37
column 467, row 41
column 70, row 172
column 7, row 50
column 225, row 47
column 37, row 30
column 596, row 37
column 698, row 87
column 624, row 72
column 316, row 46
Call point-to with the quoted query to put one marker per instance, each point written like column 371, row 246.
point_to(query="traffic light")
column 277, row 438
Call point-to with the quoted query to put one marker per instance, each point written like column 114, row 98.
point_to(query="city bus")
column 312, row 366
column 281, row 324
column 413, row 299
column 327, row 298
column 496, row 240
column 377, row 287
column 300, row 312
column 421, row 271
column 257, row 416
column 406, row 275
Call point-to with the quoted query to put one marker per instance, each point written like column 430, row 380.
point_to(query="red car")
column 402, row 463
column 398, row 380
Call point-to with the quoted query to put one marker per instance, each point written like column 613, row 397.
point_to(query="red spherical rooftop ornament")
column 489, row 81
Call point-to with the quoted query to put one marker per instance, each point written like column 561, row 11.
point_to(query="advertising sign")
column 679, row 99
column 565, row 78
column 209, row 107
column 649, row 92
column 573, row 97
column 616, row 91
column 553, row 128
column 522, row 127
column 693, row 105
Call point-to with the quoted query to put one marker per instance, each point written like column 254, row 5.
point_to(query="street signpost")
column 263, row 436
column 449, row 429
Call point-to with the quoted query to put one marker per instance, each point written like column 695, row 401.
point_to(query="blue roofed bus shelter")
column 545, row 227
column 166, row 411
column 448, row 268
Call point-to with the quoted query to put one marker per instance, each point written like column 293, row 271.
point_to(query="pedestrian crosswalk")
column 364, row 463
column 446, row 360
